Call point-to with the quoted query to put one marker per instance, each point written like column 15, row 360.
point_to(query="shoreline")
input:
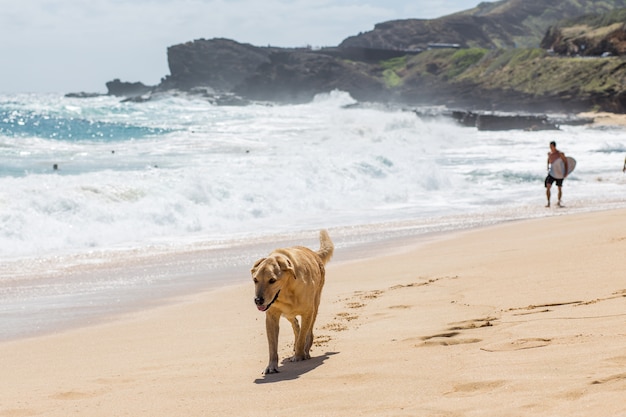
column 490, row 321
column 80, row 292
column 79, row 295
column 605, row 118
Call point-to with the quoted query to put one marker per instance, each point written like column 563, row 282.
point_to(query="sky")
column 66, row 46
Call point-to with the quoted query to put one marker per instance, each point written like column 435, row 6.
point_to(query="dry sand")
column 522, row 319
column 605, row 119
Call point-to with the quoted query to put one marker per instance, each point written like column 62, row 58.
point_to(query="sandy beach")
column 605, row 118
column 521, row 319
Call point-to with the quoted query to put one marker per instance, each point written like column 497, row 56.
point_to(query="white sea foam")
column 203, row 172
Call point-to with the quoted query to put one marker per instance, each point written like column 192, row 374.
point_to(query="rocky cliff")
column 470, row 59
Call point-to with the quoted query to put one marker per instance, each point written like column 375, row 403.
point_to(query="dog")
column 289, row 282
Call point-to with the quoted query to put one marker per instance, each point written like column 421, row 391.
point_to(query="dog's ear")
column 285, row 265
column 256, row 265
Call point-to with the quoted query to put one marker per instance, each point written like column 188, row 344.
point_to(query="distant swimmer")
column 553, row 156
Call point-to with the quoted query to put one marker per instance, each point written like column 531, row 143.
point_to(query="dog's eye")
column 272, row 280
column 256, row 281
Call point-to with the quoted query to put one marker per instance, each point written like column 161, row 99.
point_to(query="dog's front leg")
column 272, row 322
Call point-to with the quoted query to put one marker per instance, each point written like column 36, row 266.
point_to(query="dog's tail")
column 326, row 247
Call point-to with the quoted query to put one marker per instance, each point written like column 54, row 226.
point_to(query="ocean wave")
column 205, row 172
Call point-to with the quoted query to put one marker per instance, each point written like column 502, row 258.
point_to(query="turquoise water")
column 34, row 124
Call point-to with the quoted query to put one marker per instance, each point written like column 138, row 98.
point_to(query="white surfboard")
column 558, row 167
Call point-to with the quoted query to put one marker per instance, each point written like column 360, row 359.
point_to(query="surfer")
column 553, row 156
column 624, row 169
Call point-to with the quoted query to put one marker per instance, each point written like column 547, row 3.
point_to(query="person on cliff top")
column 553, row 156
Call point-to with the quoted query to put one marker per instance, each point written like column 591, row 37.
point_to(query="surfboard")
column 558, row 167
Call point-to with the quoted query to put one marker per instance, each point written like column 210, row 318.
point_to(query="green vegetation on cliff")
column 392, row 71
column 524, row 74
column 442, row 64
column 534, row 72
column 463, row 59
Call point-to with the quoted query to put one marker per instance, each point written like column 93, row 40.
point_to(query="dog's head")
column 270, row 275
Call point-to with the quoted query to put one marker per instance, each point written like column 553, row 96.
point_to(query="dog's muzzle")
column 260, row 302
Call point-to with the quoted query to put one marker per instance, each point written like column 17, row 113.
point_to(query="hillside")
column 502, row 24
column 516, row 79
column 487, row 69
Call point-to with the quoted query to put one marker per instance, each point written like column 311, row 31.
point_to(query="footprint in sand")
column 346, row 316
column 335, row 327
column 468, row 389
column 359, row 299
column 544, row 308
column 447, row 339
column 541, row 308
column 450, row 338
column 427, row 281
column 340, row 321
column 322, row 340
column 400, row 307
column 473, row 324
column 368, row 295
column 610, row 379
column 518, row 344
column 72, row 395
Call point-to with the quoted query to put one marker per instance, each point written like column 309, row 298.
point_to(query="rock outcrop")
column 127, row 89
column 220, row 64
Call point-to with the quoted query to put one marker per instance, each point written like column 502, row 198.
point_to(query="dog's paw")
column 270, row 370
column 298, row 358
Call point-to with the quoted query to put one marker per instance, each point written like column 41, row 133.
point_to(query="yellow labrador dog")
column 289, row 283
